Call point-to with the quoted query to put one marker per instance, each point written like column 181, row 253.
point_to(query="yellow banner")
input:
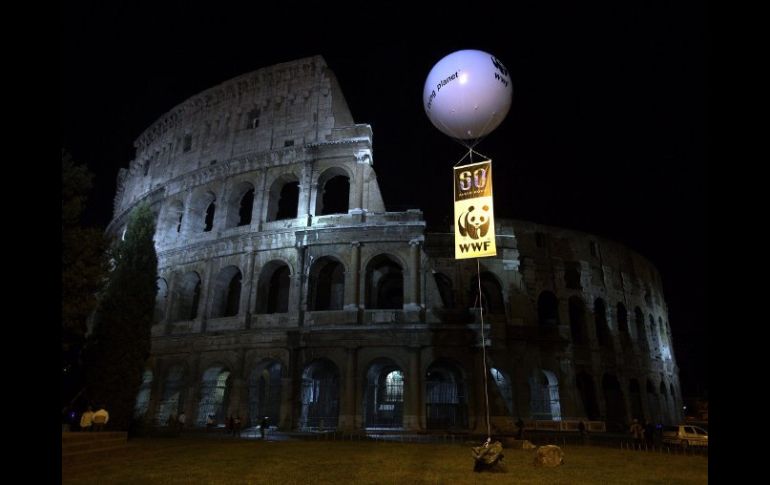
column 474, row 213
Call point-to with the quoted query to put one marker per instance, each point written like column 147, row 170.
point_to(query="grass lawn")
column 201, row 461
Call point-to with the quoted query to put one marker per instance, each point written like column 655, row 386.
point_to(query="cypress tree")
column 120, row 343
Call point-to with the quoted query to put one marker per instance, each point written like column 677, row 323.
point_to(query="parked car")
column 685, row 435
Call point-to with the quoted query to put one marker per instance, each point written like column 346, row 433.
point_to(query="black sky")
column 606, row 134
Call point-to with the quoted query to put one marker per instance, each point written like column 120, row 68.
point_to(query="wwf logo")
column 474, row 224
column 499, row 65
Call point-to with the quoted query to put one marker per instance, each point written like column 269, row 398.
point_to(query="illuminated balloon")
column 467, row 94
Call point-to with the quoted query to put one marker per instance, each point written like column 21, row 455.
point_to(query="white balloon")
column 467, row 94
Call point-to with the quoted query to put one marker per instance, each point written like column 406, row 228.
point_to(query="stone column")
column 203, row 304
column 305, row 187
column 413, row 298
column 257, row 211
column 348, row 412
column 413, row 408
column 353, row 278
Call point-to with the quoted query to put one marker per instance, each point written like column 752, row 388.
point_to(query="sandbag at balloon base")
column 487, row 456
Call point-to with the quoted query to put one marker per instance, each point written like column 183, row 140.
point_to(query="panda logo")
column 474, row 224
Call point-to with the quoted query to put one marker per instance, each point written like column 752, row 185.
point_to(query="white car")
column 685, row 435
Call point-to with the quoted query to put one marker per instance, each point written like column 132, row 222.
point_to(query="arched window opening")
column 577, row 320
column 215, row 387
column 187, row 297
column 585, row 385
column 209, row 222
column 336, row 193
column 491, row 294
column 445, row 401
column 602, row 328
column 572, row 275
column 614, row 402
column 622, row 318
column 245, row 208
column 384, row 284
column 327, row 285
column 636, row 400
column 547, row 309
column 641, row 334
column 273, row 288
column 320, row 396
column 172, row 400
column 444, row 284
column 288, row 201
column 265, row 393
column 544, row 401
column 384, row 395
column 504, row 388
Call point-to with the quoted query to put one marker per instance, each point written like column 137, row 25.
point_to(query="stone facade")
column 287, row 290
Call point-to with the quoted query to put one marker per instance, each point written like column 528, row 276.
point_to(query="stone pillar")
column 172, row 302
column 296, row 298
column 305, row 187
column 258, row 211
column 412, row 300
column 203, row 303
column 348, row 411
column 413, row 408
column 193, row 381
column 353, row 278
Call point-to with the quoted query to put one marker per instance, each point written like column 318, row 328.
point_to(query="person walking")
column 637, row 431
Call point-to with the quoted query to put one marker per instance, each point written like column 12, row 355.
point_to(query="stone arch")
column 240, row 205
column 384, row 283
column 171, row 220
column 326, row 284
column 173, row 392
column 635, row 397
column 653, row 403
column 503, row 383
column 445, row 290
column 333, row 191
column 623, row 330
column 202, row 209
column 491, row 293
column 320, row 395
column 226, row 292
column 544, row 400
column 214, row 394
column 577, row 320
column 446, row 402
column 614, row 402
column 572, row 275
column 641, row 333
column 283, row 198
column 547, row 309
column 655, row 349
column 187, row 297
column 143, row 395
column 602, row 327
column 265, row 384
column 383, row 405
column 587, row 390
column 161, row 300
column 274, row 286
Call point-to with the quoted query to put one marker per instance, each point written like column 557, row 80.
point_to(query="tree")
column 84, row 271
column 119, row 346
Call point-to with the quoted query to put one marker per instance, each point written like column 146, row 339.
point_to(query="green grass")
column 201, row 461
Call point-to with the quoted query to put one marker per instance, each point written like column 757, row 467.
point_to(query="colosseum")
column 287, row 290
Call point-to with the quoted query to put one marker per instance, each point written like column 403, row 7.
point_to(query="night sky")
column 606, row 133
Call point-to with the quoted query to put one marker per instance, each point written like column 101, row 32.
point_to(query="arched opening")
column 327, row 285
column 547, row 309
column 187, row 297
column 273, row 288
column 445, row 397
column 602, row 328
column 653, row 404
column 209, row 222
column 544, row 401
column 445, row 291
column 641, row 334
column 202, row 210
column 572, row 275
column 226, row 293
column 384, row 395
column 625, row 336
column 161, row 300
column 655, row 350
column 143, row 396
column 335, row 192
column 577, row 320
column 384, row 284
column 240, row 205
column 172, row 400
column 491, row 294
column 283, row 199
column 171, row 222
column 214, row 394
column 585, row 385
column 615, row 403
column 635, row 395
column 320, row 396
column 265, row 393
column 504, row 387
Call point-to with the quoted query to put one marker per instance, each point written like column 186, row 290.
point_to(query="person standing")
column 87, row 419
column 101, row 418
column 263, row 426
column 182, row 419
